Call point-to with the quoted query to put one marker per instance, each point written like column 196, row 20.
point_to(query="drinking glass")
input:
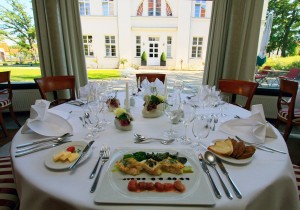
column 173, row 112
column 91, row 119
column 187, row 117
column 200, row 129
column 224, row 100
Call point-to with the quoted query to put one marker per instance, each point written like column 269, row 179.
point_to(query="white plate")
column 233, row 160
column 53, row 125
column 60, row 165
column 115, row 183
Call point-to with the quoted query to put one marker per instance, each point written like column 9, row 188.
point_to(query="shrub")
column 5, row 64
column 163, row 57
column 144, row 56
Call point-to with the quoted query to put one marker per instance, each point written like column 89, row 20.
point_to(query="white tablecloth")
column 268, row 182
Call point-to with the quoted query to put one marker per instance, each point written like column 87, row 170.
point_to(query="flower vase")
column 121, row 127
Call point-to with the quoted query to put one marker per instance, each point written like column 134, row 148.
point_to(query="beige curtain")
column 233, row 41
column 60, row 39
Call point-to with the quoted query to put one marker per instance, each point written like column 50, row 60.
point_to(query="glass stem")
column 186, row 134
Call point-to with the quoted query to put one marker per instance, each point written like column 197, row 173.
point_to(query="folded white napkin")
column 254, row 126
column 37, row 112
column 147, row 87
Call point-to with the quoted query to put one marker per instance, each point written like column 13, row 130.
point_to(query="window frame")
column 86, row 7
column 197, row 46
column 154, row 8
column 88, row 44
column 138, row 46
column 200, row 9
column 108, row 7
column 110, row 46
column 169, row 46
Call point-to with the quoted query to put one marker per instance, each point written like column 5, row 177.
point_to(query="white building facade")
column 116, row 30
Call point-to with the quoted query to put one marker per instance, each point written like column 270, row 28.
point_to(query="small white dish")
column 233, row 160
column 64, row 165
column 53, row 125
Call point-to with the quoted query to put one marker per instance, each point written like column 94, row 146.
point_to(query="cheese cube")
column 73, row 157
column 57, row 156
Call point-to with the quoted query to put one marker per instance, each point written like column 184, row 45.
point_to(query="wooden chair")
column 286, row 107
column 55, row 84
column 151, row 77
column 6, row 96
column 238, row 87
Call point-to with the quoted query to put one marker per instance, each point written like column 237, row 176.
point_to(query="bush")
column 163, row 57
column 283, row 63
column 144, row 56
column 5, row 64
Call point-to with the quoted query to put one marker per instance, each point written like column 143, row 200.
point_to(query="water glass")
column 187, row 117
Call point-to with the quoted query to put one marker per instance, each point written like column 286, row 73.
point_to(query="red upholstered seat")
column 8, row 194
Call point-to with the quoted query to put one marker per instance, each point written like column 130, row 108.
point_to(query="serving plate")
column 52, row 125
column 49, row 163
column 115, row 183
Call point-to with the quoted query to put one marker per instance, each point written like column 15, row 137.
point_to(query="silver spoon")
column 210, row 158
column 141, row 139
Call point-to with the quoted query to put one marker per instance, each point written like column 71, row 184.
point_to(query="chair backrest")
column 293, row 73
column 288, row 88
column 239, row 87
column 151, row 77
column 5, row 78
column 54, row 84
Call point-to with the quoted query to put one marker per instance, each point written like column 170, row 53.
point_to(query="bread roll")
column 222, row 147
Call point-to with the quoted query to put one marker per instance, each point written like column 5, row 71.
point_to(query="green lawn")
column 26, row 74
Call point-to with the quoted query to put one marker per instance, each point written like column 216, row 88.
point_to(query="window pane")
column 194, row 41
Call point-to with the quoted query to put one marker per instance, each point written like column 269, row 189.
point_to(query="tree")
column 16, row 25
column 286, row 25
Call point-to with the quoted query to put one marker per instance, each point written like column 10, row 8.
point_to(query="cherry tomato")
column 133, row 185
column 71, row 149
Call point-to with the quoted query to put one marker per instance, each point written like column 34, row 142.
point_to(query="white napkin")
column 254, row 126
column 146, row 87
column 37, row 112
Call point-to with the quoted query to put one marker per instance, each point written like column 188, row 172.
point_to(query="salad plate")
column 49, row 162
column 115, row 182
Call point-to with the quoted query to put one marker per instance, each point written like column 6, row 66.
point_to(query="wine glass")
column 91, row 119
column 173, row 112
column 187, row 117
column 223, row 101
column 200, row 128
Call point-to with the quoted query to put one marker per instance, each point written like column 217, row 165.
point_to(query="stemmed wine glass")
column 91, row 119
column 200, row 128
column 187, row 117
column 173, row 112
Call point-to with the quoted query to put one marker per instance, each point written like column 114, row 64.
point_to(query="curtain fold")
column 59, row 39
column 233, row 41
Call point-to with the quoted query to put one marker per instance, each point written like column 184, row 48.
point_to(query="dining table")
column 266, row 181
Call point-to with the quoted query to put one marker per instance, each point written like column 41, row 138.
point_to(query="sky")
column 28, row 8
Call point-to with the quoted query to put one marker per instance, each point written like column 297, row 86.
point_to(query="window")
column 169, row 46
column 168, row 10
column 108, row 7
column 84, row 7
column 138, row 46
column 88, row 45
column 140, row 9
column 154, row 7
column 200, row 8
column 110, row 46
column 197, row 47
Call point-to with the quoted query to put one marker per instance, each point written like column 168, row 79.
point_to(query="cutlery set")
column 211, row 160
column 28, row 148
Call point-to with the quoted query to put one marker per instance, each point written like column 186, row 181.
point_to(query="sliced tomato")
column 71, row 149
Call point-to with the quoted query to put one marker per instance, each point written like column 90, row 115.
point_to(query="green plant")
column 144, row 56
column 123, row 61
column 163, row 57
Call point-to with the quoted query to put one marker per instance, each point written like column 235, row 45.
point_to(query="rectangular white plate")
column 113, row 186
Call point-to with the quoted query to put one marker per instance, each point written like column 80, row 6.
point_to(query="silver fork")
column 97, row 163
column 105, row 158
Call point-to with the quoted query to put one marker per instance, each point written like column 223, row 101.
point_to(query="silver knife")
column 60, row 138
column 205, row 169
column 257, row 146
column 39, row 149
column 261, row 146
column 234, row 187
column 83, row 153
